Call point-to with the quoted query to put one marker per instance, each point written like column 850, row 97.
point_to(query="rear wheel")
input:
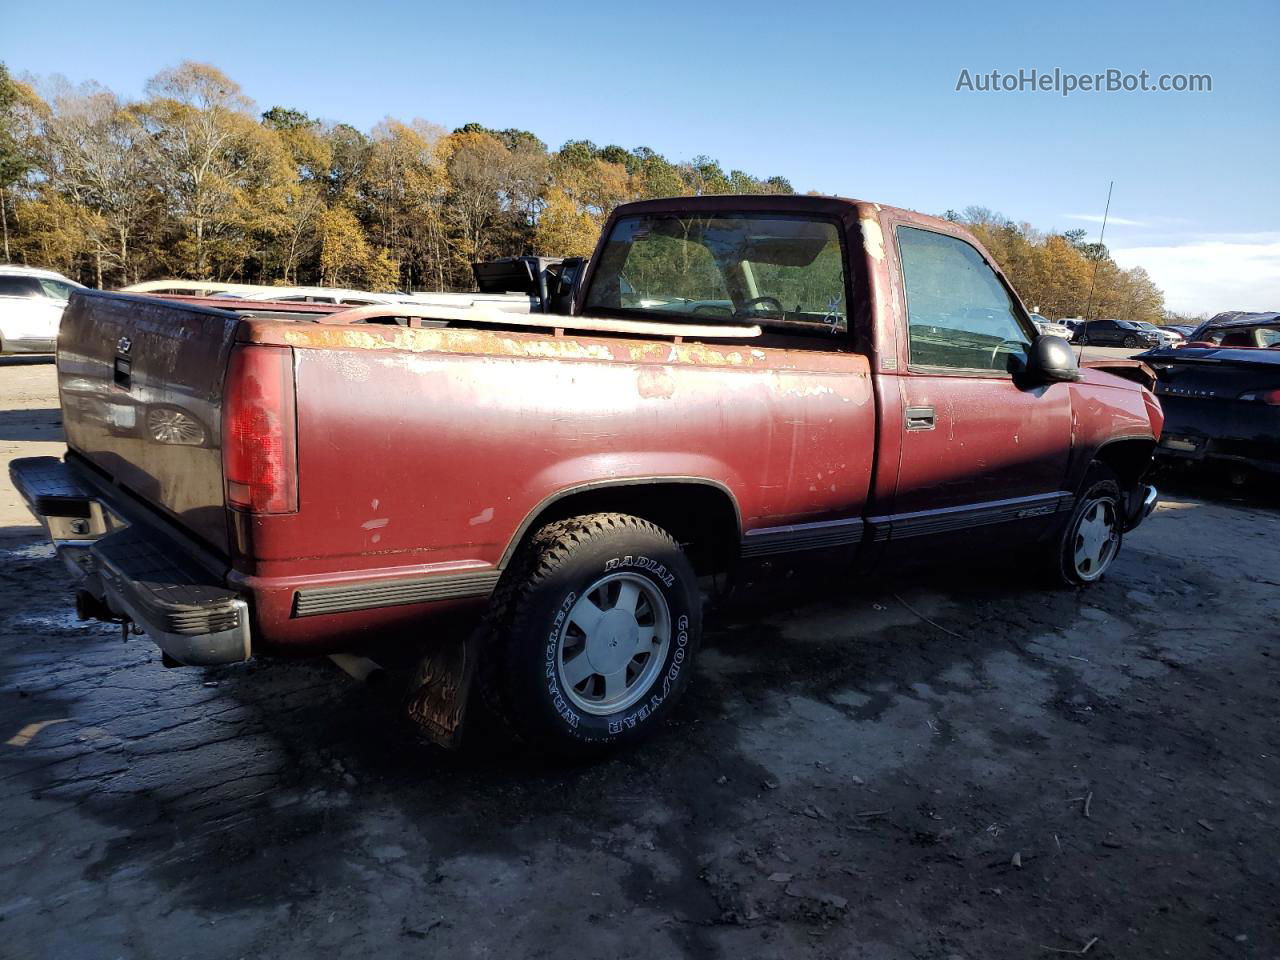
column 1092, row 537
column 593, row 633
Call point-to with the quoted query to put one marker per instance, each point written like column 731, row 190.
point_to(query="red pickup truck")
column 734, row 378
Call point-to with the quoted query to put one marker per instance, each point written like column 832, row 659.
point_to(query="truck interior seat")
column 1239, row 338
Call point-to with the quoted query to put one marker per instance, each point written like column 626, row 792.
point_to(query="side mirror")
column 563, row 290
column 1051, row 360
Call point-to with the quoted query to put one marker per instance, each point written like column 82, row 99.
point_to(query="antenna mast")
column 1101, row 233
column 1088, row 309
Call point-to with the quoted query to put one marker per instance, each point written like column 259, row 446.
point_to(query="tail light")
column 1270, row 397
column 259, row 430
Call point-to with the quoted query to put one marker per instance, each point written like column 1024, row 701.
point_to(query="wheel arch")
column 1129, row 457
column 701, row 514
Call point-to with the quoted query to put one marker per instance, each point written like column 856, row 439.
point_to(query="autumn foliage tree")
column 193, row 181
column 1062, row 275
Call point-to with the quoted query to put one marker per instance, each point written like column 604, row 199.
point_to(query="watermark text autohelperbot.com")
column 1065, row 83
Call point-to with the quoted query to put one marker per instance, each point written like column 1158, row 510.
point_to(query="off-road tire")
column 518, row 675
column 1100, row 484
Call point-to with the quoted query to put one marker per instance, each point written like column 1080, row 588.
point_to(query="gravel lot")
column 966, row 768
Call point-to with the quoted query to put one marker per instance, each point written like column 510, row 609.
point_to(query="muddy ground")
column 963, row 767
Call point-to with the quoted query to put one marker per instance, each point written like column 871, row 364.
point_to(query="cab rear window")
column 785, row 272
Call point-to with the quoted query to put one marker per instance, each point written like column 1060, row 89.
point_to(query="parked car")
column 31, row 305
column 1168, row 338
column 738, row 379
column 1183, row 329
column 1221, row 394
column 1047, row 326
column 1115, row 333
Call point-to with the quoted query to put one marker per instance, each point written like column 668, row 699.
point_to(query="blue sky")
column 846, row 98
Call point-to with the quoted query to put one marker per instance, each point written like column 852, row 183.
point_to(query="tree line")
column 192, row 181
column 1062, row 274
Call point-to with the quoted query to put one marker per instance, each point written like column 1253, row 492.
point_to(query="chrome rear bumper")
column 139, row 574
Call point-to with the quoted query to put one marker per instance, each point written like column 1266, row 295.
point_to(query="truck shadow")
column 39, row 424
column 265, row 784
column 25, row 359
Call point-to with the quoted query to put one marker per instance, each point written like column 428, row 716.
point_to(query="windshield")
column 1260, row 336
column 776, row 270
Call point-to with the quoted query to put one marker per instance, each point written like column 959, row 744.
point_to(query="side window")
column 56, row 289
column 19, row 287
column 959, row 314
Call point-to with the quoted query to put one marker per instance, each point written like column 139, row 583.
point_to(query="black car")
column 1221, row 393
column 1115, row 333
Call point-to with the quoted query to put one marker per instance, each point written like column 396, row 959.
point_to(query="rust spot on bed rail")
column 531, row 344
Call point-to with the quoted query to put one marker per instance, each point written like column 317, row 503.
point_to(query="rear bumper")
column 140, row 574
column 1263, row 456
column 1232, row 432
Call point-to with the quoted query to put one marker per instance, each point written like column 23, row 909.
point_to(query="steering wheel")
column 751, row 304
column 999, row 346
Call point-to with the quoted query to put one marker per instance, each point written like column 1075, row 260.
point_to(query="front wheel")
column 595, row 626
column 1092, row 537
column 1130, row 342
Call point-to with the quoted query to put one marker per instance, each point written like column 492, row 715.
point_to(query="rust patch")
column 655, row 384
column 538, row 345
column 872, row 238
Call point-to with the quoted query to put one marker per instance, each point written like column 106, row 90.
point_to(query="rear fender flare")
column 546, row 508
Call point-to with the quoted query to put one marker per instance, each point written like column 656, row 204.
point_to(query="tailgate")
column 140, row 381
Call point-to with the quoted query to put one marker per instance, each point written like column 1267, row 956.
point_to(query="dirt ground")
column 949, row 768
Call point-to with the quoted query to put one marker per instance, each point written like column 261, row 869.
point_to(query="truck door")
column 977, row 448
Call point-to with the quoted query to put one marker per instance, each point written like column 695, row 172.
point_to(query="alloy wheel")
column 613, row 643
column 1096, row 540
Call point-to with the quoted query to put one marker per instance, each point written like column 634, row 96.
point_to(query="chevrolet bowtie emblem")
column 124, row 344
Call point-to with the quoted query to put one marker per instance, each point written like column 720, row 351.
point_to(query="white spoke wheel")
column 592, row 634
column 613, row 643
column 1089, row 542
column 1097, row 537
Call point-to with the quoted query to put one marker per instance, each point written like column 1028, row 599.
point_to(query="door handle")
column 920, row 418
